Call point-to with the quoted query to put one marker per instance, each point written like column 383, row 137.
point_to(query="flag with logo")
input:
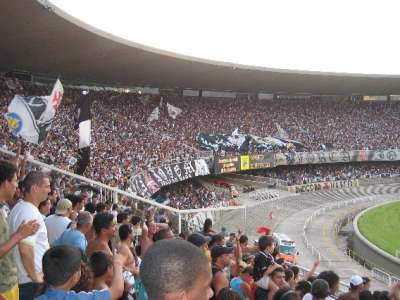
column 173, row 111
column 30, row 117
column 155, row 114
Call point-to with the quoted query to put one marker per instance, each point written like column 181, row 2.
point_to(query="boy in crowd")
column 62, row 270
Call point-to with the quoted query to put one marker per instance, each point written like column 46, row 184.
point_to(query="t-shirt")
column 72, row 237
column 236, row 287
column 54, row 294
column 261, row 263
column 23, row 212
column 56, row 225
column 8, row 269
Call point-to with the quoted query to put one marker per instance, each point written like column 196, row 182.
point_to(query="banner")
column 226, row 164
column 237, row 142
column 303, row 158
column 150, row 181
column 244, row 162
column 320, row 186
column 30, row 117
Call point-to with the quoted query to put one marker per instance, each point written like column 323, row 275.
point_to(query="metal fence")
column 368, row 266
column 228, row 217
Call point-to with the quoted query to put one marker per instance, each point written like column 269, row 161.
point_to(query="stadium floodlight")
column 311, row 35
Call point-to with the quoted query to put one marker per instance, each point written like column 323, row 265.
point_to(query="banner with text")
column 321, row 186
column 150, row 181
column 303, row 158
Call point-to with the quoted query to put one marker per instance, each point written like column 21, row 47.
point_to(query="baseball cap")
column 198, row 239
column 62, row 206
column 356, row 280
column 217, row 251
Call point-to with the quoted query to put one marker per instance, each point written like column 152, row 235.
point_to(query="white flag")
column 281, row 132
column 154, row 115
column 173, row 111
column 31, row 116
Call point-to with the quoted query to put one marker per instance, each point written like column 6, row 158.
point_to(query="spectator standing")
column 242, row 284
column 319, row 289
column 57, row 223
column 165, row 273
column 77, row 236
column 45, row 208
column 30, row 251
column 355, row 287
column 221, row 259
column 104, row 225
column 264, row 265
column 8, row 271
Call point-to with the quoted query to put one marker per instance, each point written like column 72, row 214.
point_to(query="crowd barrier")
column 179, row 217
column 375, row 272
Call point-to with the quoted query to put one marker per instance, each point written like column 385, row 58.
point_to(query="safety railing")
column 179, row 217
column 368, row 266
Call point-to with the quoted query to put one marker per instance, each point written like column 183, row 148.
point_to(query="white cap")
column 356, row 280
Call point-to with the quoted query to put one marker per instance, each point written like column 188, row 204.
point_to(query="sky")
column 345, row 36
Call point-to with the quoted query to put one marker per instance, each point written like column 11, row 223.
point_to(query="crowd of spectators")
column 70, row 251
column 304, row 174
column 191, row 194
column 124, row 143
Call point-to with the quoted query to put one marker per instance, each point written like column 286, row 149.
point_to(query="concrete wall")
column 372, row 253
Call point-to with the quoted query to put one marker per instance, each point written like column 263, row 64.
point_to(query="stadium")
column 196, row 147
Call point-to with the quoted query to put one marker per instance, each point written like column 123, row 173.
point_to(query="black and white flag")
column 83, row 124
column 173, row 111
column 30, row 117
column 155, row 114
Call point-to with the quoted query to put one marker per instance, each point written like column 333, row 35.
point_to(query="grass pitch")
column 381, row 226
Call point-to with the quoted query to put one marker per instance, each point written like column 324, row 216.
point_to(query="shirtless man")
column 125, row 248
column 131, row 266
column 104, row 225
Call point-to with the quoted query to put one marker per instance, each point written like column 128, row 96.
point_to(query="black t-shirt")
column 261, row 263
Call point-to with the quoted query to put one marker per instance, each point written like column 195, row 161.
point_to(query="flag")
column 173, row 111
column 30, row 117
column 281, row 132
column 154, row 115
column 83, row 124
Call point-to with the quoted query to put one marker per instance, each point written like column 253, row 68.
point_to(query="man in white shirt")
column 30, row 251
column 57, row 223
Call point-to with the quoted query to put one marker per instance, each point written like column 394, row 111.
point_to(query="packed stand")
column 124, row 143
column 191, row 194
column 305, row 174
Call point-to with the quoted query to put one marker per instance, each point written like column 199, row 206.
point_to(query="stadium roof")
column 45, row 40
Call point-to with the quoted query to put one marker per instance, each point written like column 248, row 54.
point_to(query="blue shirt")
column 72, row 237
column 235, row 285
column 54, row 294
